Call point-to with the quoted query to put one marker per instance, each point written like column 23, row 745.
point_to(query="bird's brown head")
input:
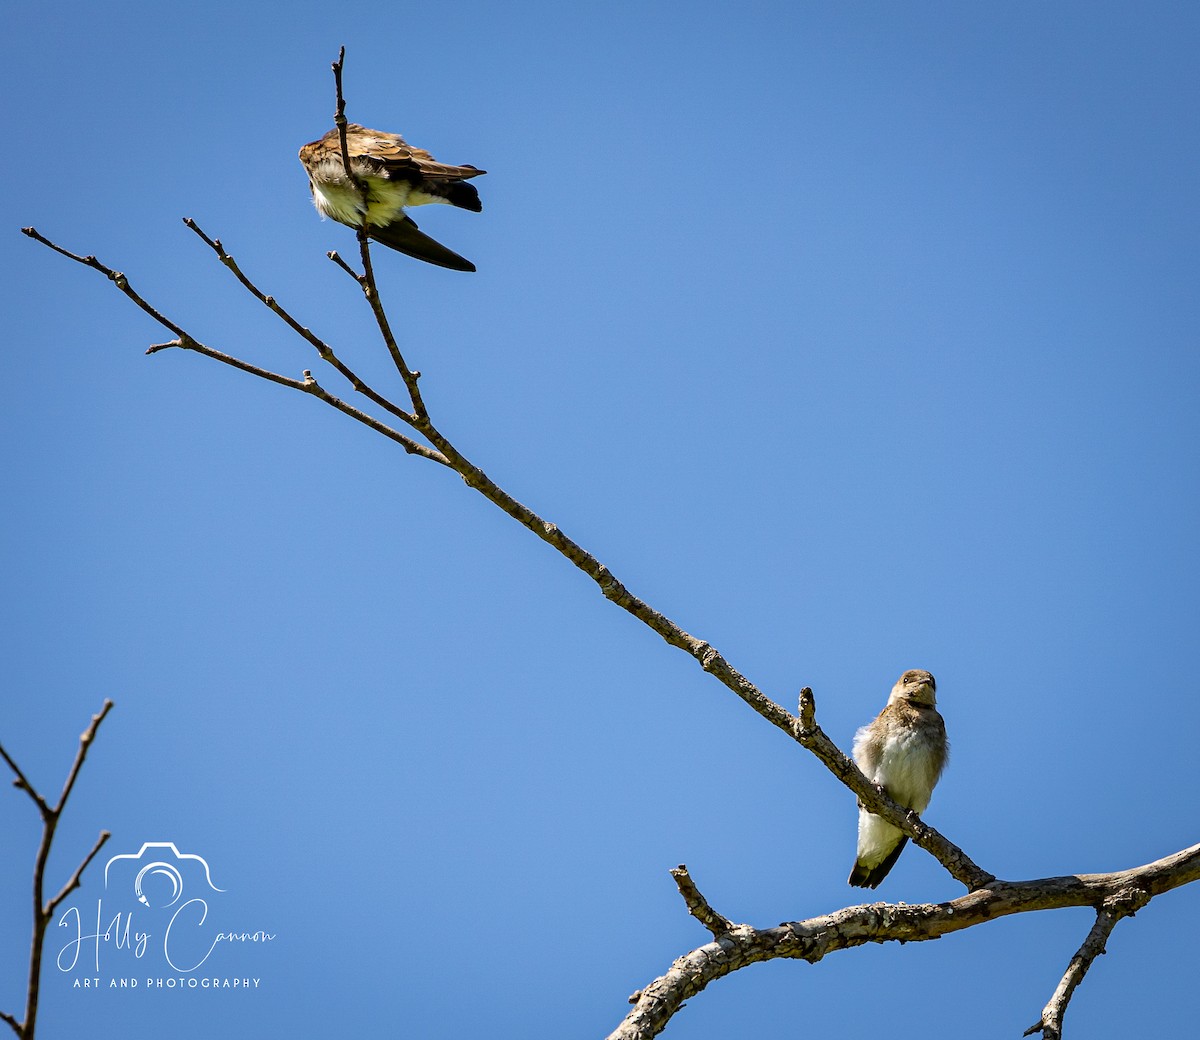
column 916, row 686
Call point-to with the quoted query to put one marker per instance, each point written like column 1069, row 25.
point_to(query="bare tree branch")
column 1050, row 1024
column 322, row 348
column 44, row 911
column 734, row 946
column 883, row 922
column 367, row 280
column 808, row 735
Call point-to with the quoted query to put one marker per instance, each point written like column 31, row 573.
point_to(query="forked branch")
column 1117, row 894
column 1125, row 904
column 43, row 909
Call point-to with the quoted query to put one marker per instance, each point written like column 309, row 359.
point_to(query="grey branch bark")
column 1051, row 1023
column 698, row 906
column 883, row 922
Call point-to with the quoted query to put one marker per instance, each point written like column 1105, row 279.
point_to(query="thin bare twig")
column 323, row 349
column 116, row 277
column 43, row 911
column 23, row 783
column 185, row 341
column 366, row 280
column 339, row 118
column 336, row 257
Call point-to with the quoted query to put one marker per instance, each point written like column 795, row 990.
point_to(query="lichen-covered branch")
column 698, row 906
column 817, row 937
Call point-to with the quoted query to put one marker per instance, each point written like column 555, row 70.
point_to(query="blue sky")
column 854, row 338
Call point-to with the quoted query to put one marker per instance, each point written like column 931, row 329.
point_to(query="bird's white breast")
column 338, row 201
column 336, row 197
column 908, row 768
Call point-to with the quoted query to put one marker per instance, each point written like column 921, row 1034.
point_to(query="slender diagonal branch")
column 808, row 734
column 43, row 911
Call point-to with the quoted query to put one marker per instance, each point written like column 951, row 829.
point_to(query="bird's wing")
column 404, row 236
column 868, row 748
column 388, row 156
column 420, row 165
column 397, row 157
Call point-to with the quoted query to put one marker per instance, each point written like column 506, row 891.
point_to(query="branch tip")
column 698, row 906
column 807, row 721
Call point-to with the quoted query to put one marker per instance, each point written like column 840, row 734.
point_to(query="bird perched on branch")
column 393, row 175
column 904, row 752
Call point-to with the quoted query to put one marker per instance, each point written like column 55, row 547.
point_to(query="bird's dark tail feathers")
column 464, row 196
column 861, row 877
column 403, row 236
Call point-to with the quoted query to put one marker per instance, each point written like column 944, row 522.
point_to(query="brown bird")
column 396, row 175
column 903, row 751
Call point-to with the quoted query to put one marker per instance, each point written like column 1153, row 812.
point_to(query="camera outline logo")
column 161, row 868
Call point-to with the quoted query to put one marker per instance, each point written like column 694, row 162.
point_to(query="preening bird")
column 903, row 751
column 396, row 176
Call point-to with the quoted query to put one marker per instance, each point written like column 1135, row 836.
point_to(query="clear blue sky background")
column 853, row 337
